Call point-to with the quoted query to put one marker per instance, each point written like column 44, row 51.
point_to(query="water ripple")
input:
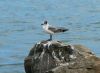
column 14, row 64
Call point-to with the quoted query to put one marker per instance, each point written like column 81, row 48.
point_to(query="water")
column 20, row 27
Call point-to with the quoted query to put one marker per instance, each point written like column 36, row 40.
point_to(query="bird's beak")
column 41, row 24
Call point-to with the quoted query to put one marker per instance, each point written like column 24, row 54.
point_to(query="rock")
column 86, row 52
column 58, row 57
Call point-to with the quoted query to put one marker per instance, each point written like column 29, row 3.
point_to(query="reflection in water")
column 20, row 27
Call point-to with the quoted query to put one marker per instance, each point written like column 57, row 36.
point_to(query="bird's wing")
column 53, row 29
column 57, row 30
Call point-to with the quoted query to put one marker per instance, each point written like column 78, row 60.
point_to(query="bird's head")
column 45, row 23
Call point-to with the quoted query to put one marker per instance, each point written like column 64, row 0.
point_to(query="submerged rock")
column 58, row 57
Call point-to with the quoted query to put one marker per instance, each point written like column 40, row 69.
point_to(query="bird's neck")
column 45, row 26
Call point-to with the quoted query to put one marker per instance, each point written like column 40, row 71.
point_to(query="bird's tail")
column 64, row 30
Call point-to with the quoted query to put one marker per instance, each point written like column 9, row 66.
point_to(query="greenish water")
column 20, row 27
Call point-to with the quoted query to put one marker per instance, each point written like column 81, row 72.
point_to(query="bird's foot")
column 49, row 40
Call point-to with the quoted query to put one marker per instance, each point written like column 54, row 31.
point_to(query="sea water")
column 20, row 27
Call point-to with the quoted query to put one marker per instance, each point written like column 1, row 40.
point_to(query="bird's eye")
column 45, row 22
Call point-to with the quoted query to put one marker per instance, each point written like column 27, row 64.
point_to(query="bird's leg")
column 50, row 37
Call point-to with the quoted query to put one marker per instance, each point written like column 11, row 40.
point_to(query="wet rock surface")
column 58, row 57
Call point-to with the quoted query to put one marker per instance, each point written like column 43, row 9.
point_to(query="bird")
column 51, row 30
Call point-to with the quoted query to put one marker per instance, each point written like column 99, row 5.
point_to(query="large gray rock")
column 57, row 57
